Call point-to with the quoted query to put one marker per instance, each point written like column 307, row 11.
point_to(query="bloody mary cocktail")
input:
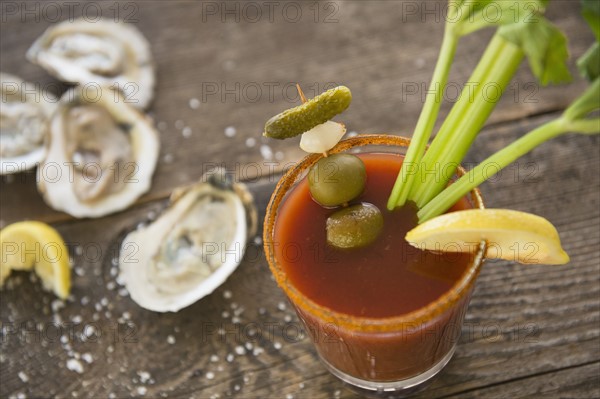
column 386, row 316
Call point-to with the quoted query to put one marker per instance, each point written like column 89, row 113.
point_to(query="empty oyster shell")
column 101, row 155
column 104, row 52
column 192, row 247
column 23, row 123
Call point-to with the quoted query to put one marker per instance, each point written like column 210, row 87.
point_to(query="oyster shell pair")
column 96, row 153
column 192, row 247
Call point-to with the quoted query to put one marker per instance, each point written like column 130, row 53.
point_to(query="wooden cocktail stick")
column 303, row 98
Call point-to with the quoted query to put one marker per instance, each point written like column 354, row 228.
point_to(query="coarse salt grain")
column 75, row 365
column 194, row 103
column 266, row 152
column 144, row 376
column 23, row 376
column 240, row 350
column 87, row 357
column 230, row 131
column 250, row 142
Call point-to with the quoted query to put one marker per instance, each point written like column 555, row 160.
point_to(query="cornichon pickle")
column 302, row 118
column 337, row 179
column 355, row 226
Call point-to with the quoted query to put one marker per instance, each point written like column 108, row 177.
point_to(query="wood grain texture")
column 243, row 72
column 530, row 331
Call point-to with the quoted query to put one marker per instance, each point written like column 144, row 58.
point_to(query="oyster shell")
column 192, row 247
column 23, row 123
column 105, row 52
column 101, row 155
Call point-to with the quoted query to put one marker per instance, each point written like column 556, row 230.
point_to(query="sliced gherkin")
column 355, row 226
column 302, row 118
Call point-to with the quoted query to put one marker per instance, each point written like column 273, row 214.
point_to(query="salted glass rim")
column 422, row 315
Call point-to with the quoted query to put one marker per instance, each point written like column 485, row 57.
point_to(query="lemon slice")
column 510, row 235
column 27, row 245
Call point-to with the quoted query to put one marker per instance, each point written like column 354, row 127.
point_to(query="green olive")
column 337, row 179
column 354, row 226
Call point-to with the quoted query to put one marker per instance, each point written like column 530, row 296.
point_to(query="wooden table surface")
column 529, row 331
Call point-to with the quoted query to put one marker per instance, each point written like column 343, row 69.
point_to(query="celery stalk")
column 426, row 120
column 496, row 69
column 573, row 120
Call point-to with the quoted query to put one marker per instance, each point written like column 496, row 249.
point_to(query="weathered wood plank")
column 523, row 323
column 572, row 382
column 242, row 72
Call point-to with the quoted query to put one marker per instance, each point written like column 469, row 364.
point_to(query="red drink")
column 380, row 314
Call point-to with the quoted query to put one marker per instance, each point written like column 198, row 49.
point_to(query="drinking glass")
column 381, row 357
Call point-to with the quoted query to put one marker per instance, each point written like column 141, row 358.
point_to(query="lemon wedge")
column 511, row 235
column 27, row 245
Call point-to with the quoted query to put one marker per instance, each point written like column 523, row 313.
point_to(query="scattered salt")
column 266, row 152
column 281, row 306
column 227, row 294
column 144, row 376
column 240, row 350
column 257, row 351
column 277, row 345
column 186, row 132
column 141, row 390
column 75, row 365
column 171, row 339
column 87, row 357
column 210, row 375
column 23, row 376
column 250, row 142
column 168, row 158
column 230, row 358
column 214, row 358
